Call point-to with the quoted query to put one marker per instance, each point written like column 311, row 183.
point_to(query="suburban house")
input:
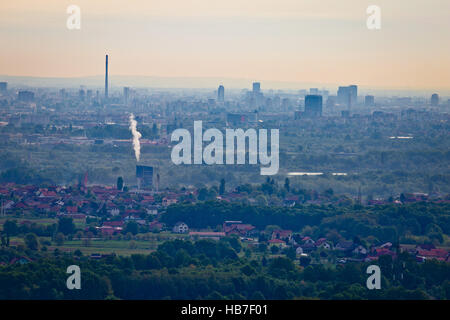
column 277, row 242
column 438, row 254
column 346, row 246
column 155, row 225
column 152, row 210
column 282, row 234
column 238, row 228
column 360, row 250
column 323, row 243
column 108, row 230
column 180, row 227
column 169, row 199
column 113, row 223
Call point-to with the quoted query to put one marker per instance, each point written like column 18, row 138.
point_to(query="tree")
column 87, row 240
column 154, row 130
column 402, row 198
column 286, row 184
column 10, row 227
column 274, row 249
column 261, row 200
column 280, row 265
column 66, row 226
column 132, row 227
column 119, row 183
column 202, row 194
column 222, row 187
column 132, row 244
column 59, row 239
column 290, row 253
column 31, row 241
column 305, row 261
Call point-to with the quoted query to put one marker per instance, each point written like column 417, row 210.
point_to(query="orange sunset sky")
column 323, row 41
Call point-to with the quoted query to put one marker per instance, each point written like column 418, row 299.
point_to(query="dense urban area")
column 362, row 180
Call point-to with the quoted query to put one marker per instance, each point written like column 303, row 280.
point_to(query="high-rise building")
column 25, row 96
column 81, row 94
column 369, row 101
column 126, row 94
column 221, row 94
column 144, row 175
column 343, row 96
column 313, row 106
column 3, row 87
column 353, row 94
column 434, row 99
column 256, row 97
column 256, row 87
column 106, row 77
column 331, row 101
column 347, row 96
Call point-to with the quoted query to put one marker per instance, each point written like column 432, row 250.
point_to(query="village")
column 103, row 214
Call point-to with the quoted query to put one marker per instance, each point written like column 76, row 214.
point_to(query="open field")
column 107, row 246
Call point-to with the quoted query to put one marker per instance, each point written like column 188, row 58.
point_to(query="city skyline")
column 291, row 42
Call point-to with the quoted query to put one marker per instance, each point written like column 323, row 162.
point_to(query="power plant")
column 144, row 175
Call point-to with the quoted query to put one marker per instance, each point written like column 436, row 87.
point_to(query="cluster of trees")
column 210, row 269
column 430, row 221
column 121, row 132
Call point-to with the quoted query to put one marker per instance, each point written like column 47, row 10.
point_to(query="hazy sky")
column 323, row 41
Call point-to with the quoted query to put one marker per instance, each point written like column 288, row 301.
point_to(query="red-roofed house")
column 113, row 223
column 237, row 228
column 72, row 209
column 276, row 242
column 282, row 234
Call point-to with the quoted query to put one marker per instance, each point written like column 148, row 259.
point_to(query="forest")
column 209, row 269
column 395, row 223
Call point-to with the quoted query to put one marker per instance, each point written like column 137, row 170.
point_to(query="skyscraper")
column 313, row 106
column 126, row 94
column 81, row 94
column 256, row 87
column 221, row 94
column 347, row 96
column 3, row 86
column 353, row 94
column 434, row 99
column 256, row 96
column 106, row 77
column 343, row 95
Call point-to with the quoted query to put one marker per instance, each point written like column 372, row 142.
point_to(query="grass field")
column 125, row 247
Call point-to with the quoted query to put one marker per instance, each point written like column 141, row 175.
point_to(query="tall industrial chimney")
column 106, row 78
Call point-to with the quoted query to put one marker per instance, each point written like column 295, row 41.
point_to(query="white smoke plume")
column 136, row 136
